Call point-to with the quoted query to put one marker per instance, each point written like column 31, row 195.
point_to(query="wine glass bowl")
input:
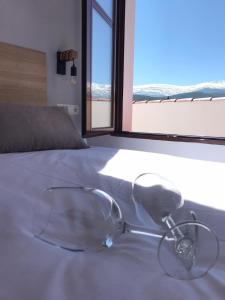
column 78, row 219
column 157, row 195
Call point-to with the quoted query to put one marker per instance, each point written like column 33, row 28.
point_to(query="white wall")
column 190, row 150
column 46, row 26
column 183, row 117
column 100, row 119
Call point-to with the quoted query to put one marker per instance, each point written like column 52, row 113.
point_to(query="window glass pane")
column 107, row 5
column 101, row 72
column 179, row 54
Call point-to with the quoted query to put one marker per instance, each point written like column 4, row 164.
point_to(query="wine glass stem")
column 169, row 222
column 136, row 229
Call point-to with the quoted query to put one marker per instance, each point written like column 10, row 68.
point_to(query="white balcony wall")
column 204, row 118
column 201, row 118
column 101, row 113
column 210, row 117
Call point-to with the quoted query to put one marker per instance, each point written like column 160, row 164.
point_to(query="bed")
column 32, row 269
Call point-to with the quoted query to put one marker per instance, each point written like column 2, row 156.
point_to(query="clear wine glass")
column 188, row 249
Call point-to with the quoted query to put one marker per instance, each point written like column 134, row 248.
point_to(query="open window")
column 154, row 69
column 100, row 64
column 177, row 79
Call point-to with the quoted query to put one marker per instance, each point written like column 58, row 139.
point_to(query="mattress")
column 32, row 269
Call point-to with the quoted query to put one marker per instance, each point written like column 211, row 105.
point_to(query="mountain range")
column 164, row 91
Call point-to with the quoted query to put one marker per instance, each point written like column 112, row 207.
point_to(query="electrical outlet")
column 76, row 109
column 73, row 109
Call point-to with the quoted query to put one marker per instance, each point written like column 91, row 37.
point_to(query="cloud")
column 169, row 89
column 162, row 90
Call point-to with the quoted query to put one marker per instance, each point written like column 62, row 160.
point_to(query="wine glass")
column 187, row 249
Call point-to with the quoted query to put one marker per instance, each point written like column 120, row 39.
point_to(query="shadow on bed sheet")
column 88, row 172
column 84, row 167
column 214, row 218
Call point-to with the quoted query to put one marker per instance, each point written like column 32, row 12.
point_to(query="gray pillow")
column 32, row 128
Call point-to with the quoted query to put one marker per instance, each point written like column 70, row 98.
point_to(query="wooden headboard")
column 22, row 75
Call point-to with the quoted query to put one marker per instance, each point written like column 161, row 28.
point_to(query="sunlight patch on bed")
column 199, row 181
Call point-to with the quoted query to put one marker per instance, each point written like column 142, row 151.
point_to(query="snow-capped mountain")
column 101, row 91
column 154, row 91
column 206, row 89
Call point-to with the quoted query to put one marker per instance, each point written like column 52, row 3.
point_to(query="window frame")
column 87, row 7
column 118, row 74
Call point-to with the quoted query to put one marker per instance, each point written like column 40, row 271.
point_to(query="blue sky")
column 179, row 41
column 101, row 50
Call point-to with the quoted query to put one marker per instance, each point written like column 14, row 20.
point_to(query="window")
column 100, row 64
column 154, row 68
column 178, row 67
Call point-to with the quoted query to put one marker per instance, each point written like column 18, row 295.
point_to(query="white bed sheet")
column 31, row 269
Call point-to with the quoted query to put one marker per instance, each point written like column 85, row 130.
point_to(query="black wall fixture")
column 62, row 58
